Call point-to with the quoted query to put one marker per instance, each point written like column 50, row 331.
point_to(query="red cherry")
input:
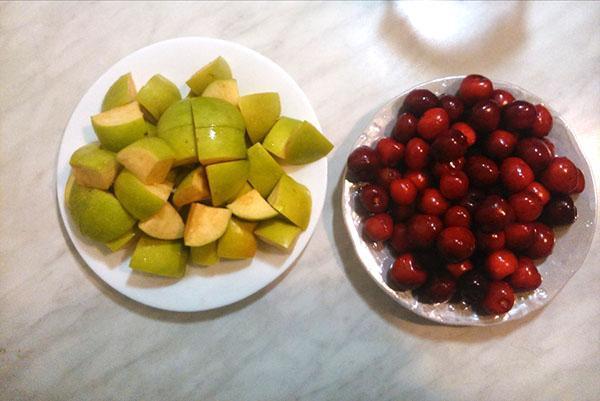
column 403, row 191
column 560, row 175
column 502, row 97
column 526, row 277
column 374, row 198
column 467, row 131
column 402, row 213
column 500, row 144
column 580, row 182
column 559, row 211
column 543, row 241
column 386, row 175
column 459, row 268
column 454, row 185
column 499, row 298
column 453, row 106
column 379, row 227
column 423, row 230
column 407, row 272
column 363, row 163
column 482, row 171
column 443, row 168
column 535, row 152
column 433, row 123
column 519, row 236
column 405, row 128
column 439, row 288
column 516, row 175
column 416, row 154
column 472, row 199
column 456, row 243
column 433, row 202
column 473, row 286
column 475, row 88
column 489, row 242
column 500, row 264
column 542, row 123
column 519, row 115
column 418, row 101
column 540, row 191
column 457, row 216
column 485, row 116
column 449, row 146
column 526, row 206
column 419, row 178
column 390, row 151
column 400, row 240
column 493, row 214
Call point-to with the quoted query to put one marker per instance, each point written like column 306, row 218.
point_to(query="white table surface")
column 324, row 331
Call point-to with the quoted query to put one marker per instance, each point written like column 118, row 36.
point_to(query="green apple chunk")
column 225, row 180
column 149, row 159
column 306, row 144
column 216, row 69
column 164, row 189
column 292, row 199
column 278, row 233
column 245, row 189
column 157, row 95
column 123, row 241
column 137, row 198
column 260, row 112
column 161, row 257
column 277, row 138
column 166, row 224
column 151, row 129
column 205, row 224
column 183, row 143
column 238, row 242
column 98, row 214
column 225, row 89
column 205, row 255
column 118, row 127
column 264, row 170
column 179, row 114
column 252, row 206
column 94, row 167
column 211, row 112
column 220, row 144
column 193, row 188
column 120, row 93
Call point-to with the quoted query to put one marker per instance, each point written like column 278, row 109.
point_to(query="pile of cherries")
column 466, row 192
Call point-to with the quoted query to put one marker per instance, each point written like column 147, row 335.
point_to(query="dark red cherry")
column 485, row 116
column 459, row 268
column 420, row 178
column 432, row 202
column 379, row 227
column 473, row 286
column 526, row 206
column 559, row 211
column 405, row 128
column 423, row 230
column 499, row 298
column 374, row 198
column 456, row 243
column 454, row 185
column 400, row 240
column 560, row 175
column 449, row 146
column 457, row 216
column 489, row 242
column 433, row 123
column 543, row 241
column 390, row 151
column 500, row 144
column 407, row 272
column 475, row 88
column 401, row 213
column 539, row 191
column 519, row 115
column 580, row 182
column 472, row 199
column 519, row 236
column 493, row 214
column 502, row 97
column 542, row 123
column 416, row 154
column 482, row 171
column 516, row 175
column 386, row 175
column 418, row 101
column 467, row 131
column 363, row 163
column 440, row 287
column 526, row 277
column 443, row 168
column 453, row 106
column 534, row 152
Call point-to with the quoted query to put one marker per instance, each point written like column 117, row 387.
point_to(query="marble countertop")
column 324, row 331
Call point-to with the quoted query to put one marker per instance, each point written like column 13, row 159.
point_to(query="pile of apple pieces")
column 182, row 173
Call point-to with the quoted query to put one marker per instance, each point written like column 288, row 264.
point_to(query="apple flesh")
column 225, row 89
column 292, row 200
column 205, row 255
column 137, row 198
column 166, row 224
column 205, row 224
column 157, row 95
column 94, row 167
column 260, row 112
column 278, row 233
column 252, row 206
column 193, row 188
column 166, row 258
column 210, row 112
column 264, row 172
column 225, row 180
column 238, row 241
column 120, row 126
column 220, row 144
column 149, row 159
column 216, row 69
column 164, row 189
column 120, row 93
column 123, row 241
column 278, row 136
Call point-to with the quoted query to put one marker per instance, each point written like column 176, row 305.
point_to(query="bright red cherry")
column 459, row 268
column 516, row 175
column 386, row 175
column 559, row 211
column 405, row 128
column 493, row 214
column 454, row 185
column 473, row 286
column 403, row 191
column 519, row 115
column 485, row 116
column 526, row 206
column 416, row 154
column 526, row 277
column 453, row 106
column 390, row 151
column 402, row 213
column 449, row 146
column 379, row 227
column 542, row 123
column 407, row 272
column 363, row 163
column 439, row 288
column 433, row 123
column 457, row 216
column 374, row 198
column 500, row 264
column 500, row 144
column 443, row 168
column 467, row 131
column 489, row 242
column 419, row 178
column 456, row 243
column 499, row 298
column 400, row 241
column 540, row 191
column 518, row 236
column 433, row 202
column 475, row 88
column 543, row 241
column 560, row 175
column 502, row 97
column 423, row 230
column 418, row 101
column 482, row 171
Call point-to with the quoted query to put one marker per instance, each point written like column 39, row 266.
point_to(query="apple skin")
column 176, row 127
column 149, row 159
column 264, row 171
column 220, row 144
column 123, row 241
column 166, row 224
column 277, row 138
column 216, row 69
column 225, row 180
column 205, row 255
column 205, row 224
column 224, row 89
column 193, row 188
column 167, row 258
column 136, row 197
column 151, row 129
column 260, row 112
column 120, row 93
column 292, row 200
column 157, row 95
column 251, row 206
column 210, row 112
column 94, row 167
column 306, row 144
column 120, row 126
column 179, row 114
column 278, row 233
column 238, row 242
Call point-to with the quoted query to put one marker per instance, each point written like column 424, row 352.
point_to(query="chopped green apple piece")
column 161, row 257
column 123, row 241
column 94, row 167
column 157, row 95
column 252, row 206
column 164, row 189
column 193, row 188
column 220, row 144
column 292, row 200
column 205, row 255
column 278, row 233
column 277, row 138
column 137, row 198
column 238, row 241
column 166, row 224
column 260, row 112
column 179, row 114
column 149, row 159
column 183, row 143
column 306, row 144
column 205, row 224
column 245, row 189
column 216, row 69
column 225, row 180
column 225, row 89
column 120, row 126
column 264, row 170
column 211, row 112
column 151, row 129
column 120, row 93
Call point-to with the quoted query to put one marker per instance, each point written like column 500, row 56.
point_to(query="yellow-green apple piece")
column 220, row 144
column 306, row 144
column 252, row 206
column 151, row 129
column 211, row 112
column 225, row 89
column 183, row 143
column 205, row 255
column 149, row 159
column 245, row 189
column 157, row 95
column 179, row 114
column 260, row 112
column 216, row 69
column 163, row 190
column 278, row 233
column 264, row 171
column 94, row 167
column 238, row 242
column 166, row 224
column 292, row 199
column 120, row 126
column 191, row 94
column 139, row 199
column 205, row 224
column 277, row 138
column 193, row 188
column 225, row 180
column 161, row 257
column 123, row 241
column 120, row 93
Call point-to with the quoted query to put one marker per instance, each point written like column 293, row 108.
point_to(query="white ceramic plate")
column 228, row 281
column 572, row 243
